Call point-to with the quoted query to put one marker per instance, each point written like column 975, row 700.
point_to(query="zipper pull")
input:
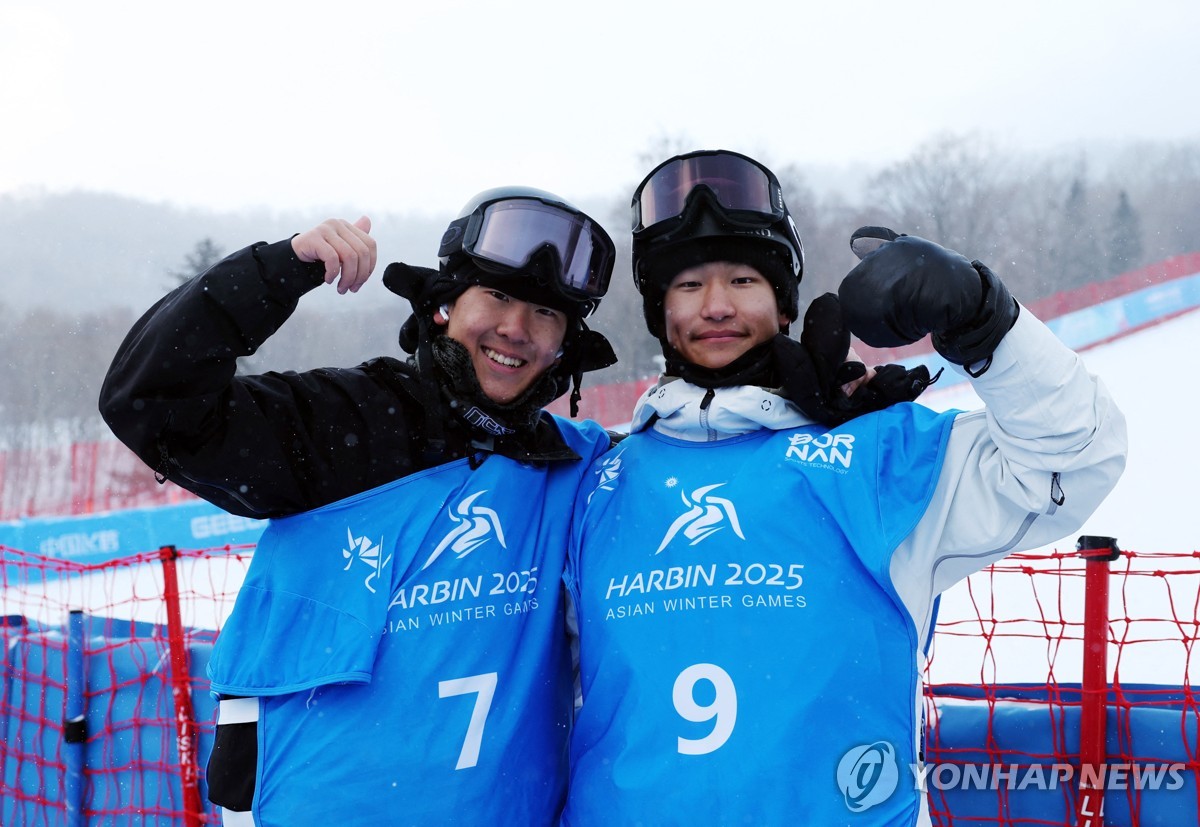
column 1057, row 496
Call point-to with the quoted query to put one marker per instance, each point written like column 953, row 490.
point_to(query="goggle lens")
column 737, row 183
column 512, row 232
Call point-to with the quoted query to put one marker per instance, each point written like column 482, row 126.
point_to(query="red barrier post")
column 185, row 727
column 1098, row 552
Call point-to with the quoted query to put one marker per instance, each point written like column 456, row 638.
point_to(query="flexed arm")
column 254, row 445
column 1031, row 466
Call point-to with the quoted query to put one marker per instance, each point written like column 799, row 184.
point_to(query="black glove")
column 814, row 369
column 906, row 287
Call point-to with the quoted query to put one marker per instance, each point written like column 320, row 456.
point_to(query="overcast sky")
column 416, row 106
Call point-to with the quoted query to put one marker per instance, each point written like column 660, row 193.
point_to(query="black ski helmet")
column 542, row 246
column 713, row 205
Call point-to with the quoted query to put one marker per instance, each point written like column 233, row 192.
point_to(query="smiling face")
column 511, row 342
column 716, row 312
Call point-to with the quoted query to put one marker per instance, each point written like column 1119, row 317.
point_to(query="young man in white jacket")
column 754, row 569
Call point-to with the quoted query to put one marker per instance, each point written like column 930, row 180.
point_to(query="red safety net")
column 1003, row 688
column 78, row 478
column 104, row 706
column 1007, row 664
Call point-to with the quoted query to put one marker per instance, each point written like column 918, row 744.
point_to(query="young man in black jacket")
column 438, row 686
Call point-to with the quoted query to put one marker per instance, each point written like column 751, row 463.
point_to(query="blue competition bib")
column 409, row 649
column 740, row 634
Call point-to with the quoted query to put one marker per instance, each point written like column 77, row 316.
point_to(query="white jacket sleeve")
column 1025, row 471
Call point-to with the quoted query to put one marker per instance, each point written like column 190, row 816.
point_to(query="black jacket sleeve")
column 257, row 446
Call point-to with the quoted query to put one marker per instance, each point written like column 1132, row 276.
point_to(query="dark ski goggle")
column 746, row 192
column 510, row 232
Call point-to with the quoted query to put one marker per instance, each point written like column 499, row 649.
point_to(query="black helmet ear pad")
column 410, row 334
column 595, row 351
column 425, row 290
column 583, row 350
column 413, row 283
